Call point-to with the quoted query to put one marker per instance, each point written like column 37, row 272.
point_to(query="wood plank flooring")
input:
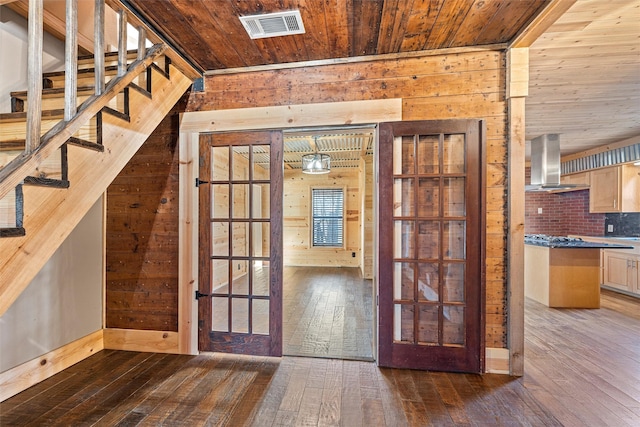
column 582, row 368
column 327, row 312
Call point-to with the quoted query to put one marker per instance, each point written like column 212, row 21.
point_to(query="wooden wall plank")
column 142, row 235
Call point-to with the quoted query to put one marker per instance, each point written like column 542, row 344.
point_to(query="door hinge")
column 200, row 295
column 199, row 181
column 377, row 303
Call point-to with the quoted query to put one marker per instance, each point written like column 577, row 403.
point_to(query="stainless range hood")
column 545, row 164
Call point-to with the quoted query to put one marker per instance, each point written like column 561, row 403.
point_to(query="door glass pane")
column 240, row 163
column 403, row 279
column 428, row 154
column 240, row 277
column 220, row 314
column 428, row 197
column 428, row 239
column 454, row 240
column 260, row 319
column 261, row 278
column 403, row 155
column 403, row 197
column 453, row 197
column 454, row 154
column 403, row 323
column 240, row 243
column 428, row 280
column 240, row 201
column 220, row 201
column 453, row 325
column 260, row 239
column 219, row 238
column 261, row 160
column 240, row 315
column 403, row 236
column 428, row 325
column 219, row 163
column 220, row 276
column 453, row 286
column 260, row 201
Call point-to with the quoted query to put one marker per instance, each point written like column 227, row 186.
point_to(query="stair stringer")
column 51, row 214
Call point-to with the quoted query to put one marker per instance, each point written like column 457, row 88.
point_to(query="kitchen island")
column 563, row 272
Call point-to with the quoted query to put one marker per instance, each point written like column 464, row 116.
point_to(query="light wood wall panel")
column 298, row 249
column 458, row 85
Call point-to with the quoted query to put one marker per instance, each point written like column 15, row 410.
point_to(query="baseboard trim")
column 20, row 378
column 497, row 361
column 141, row 340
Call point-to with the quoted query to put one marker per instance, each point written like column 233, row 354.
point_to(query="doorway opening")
column 328, row 245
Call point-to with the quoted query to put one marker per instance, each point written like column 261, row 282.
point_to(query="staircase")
column 46, row 192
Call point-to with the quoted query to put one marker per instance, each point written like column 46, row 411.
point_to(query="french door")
column 240, row 284
column 431, row 251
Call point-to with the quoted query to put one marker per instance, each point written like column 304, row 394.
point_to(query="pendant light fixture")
column 316, row 163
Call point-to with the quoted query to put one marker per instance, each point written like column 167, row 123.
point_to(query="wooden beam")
column 12, row 174
column 187, row 252
column 71, row 60
column 541, row 23
column 293, row 116
column 90, row 173
column 34, row 77
column 122, row 42
column 518, row 72
column 515, row 239
column 98, row 46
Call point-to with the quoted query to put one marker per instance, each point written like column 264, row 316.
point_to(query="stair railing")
column 37, row 147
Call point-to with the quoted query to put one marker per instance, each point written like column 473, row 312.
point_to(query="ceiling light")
column 316, row 163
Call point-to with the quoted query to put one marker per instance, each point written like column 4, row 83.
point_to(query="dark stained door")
column 240, row 235
column 431, row 247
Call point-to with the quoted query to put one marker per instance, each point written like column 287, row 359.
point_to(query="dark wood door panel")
column 431, row 248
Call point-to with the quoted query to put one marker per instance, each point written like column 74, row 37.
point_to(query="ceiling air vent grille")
column 273, row 24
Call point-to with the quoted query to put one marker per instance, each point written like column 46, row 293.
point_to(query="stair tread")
column 46, row 114
column 52, row 92
column 109, row 70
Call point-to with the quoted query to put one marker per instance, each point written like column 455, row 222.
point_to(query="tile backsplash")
column 624, row 224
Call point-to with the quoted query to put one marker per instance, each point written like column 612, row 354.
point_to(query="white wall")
column 64, row 301
column 13, row 55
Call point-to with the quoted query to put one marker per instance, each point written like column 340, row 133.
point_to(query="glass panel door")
column 430, row 247
column 242, row 266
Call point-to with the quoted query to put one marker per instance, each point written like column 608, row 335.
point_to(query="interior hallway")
column 581, row 370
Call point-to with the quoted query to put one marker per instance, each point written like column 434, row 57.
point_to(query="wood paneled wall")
column 142, row 235
column 298, row 249
column 464, row 84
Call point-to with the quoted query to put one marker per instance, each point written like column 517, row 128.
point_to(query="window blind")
column 328, row 209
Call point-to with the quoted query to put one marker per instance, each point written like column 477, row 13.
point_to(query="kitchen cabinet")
column 615, row 189
column 581, row 178
column 620, row 270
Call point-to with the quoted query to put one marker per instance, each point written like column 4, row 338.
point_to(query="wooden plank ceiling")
column 211, row 34
column 585, row 76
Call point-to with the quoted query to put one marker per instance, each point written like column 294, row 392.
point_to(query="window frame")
column 312, row 217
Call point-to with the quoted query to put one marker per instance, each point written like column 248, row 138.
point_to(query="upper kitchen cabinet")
column 615, row 189
column 581, row 179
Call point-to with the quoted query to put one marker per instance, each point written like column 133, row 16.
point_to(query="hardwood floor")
column 582, row 369
column 327, row 312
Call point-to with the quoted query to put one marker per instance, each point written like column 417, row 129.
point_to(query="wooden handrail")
column 13, row 173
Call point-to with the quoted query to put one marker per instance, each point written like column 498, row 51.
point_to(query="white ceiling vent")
column 273, row 24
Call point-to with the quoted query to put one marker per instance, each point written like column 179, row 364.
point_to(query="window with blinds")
column 328, row 216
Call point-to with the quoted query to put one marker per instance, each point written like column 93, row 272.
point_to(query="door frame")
column 500, row 360
column 246, row 119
